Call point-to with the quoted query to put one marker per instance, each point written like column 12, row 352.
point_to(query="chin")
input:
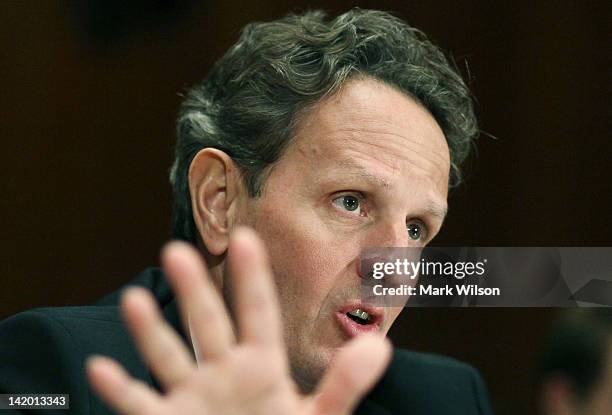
column 309, row 366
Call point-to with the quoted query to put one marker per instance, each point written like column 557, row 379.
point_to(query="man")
column 576, row 368
column 309, row 141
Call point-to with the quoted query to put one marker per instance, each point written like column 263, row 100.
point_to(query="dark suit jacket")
column 43, row 351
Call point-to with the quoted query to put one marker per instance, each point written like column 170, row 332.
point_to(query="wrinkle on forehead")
column 369, row 120
column 398, row 156
column 408, row 142
column 389, row 157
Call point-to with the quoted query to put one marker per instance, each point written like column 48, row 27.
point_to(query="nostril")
column 365, row 266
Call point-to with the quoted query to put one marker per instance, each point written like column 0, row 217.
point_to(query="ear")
column 215, row 186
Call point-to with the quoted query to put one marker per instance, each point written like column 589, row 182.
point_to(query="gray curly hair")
column 248, row 106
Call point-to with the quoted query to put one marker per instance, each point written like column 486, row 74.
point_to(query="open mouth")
column 359, row 316
column 357, row 319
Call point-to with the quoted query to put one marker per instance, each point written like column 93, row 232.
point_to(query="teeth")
column 360, row 314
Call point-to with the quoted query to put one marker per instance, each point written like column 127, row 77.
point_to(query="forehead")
column 370, row 125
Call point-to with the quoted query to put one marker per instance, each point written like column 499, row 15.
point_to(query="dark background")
column 89, row 95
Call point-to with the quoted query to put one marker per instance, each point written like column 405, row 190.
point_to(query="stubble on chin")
column 308, row 362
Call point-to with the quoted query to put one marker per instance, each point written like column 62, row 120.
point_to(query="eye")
column 416, row 230
column 349, row 203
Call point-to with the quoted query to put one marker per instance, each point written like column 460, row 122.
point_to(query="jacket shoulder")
column 424, row 383
column 44, row 351
column 430, row 363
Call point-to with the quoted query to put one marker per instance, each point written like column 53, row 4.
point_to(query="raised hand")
column 244, row 368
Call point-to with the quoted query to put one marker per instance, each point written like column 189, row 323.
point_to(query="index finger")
column 203, row 312
column 255, row 301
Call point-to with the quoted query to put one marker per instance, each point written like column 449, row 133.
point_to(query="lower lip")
column 352, row 328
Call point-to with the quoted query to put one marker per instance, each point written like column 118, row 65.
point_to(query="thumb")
column 353, row 372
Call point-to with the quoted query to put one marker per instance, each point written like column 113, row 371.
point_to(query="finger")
column 256, row 305
column 157, row 341
column 118, row 390
column 352, row 374
column 204, row 314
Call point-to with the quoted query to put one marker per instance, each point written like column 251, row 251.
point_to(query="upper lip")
column 376, row 313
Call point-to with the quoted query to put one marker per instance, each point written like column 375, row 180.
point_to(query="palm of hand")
column 244, row 375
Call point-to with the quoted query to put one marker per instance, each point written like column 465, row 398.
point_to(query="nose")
column 376, row 246
column 390, row 234
column 386, row 261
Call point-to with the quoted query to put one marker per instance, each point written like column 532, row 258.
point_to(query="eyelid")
column 355, row 193
column 424, row 227
column 360, row 196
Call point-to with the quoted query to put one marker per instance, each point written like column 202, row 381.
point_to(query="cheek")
column 306, row 258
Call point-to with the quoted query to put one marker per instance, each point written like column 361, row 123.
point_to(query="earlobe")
column 213, row 188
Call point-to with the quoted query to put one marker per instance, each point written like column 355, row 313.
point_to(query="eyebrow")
column 364, row 174
column 434, row 209
column 437, row 210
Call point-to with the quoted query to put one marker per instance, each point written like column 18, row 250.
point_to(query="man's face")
column 365, row 166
